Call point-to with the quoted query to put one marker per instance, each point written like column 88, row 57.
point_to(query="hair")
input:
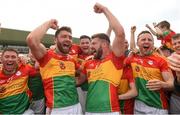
column 176, row 36
column 9, row 49
column 143, row 32
column 85, row 37
column 64, row 28
column 101, row 36
column 163, row 24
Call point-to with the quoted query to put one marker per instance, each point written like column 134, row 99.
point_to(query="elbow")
column 30, row 42
column 121, row 34
column 135, row 93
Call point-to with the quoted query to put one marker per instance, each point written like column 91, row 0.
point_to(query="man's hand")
column 154, row 85
column 133, row 29
column 53, row 23
column 147, row 26
column 98, row 8
column 174, row 62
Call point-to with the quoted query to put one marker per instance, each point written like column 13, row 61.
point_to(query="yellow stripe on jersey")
column 123, row 86
column 105, row 71
column 14, row 87
column 57, row 67
column 146, row 73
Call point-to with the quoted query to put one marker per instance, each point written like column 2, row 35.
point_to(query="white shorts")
column 70, row 110
column 109, row 113
column 28, row 112
column 82, row 98
column 141, row 108
column 38, row 106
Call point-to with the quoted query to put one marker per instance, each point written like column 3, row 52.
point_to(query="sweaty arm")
column 35, row 37
column 151, row 30
column 109, row 31
column 156, row 84
column 132, row 92
column 118, row 43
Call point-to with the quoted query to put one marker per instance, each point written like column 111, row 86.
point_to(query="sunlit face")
column 85, row 45
column 64, row 41
column 9, row 61
column 176, row 45
column 126, row 44
column 96, row 47
column 145, row 43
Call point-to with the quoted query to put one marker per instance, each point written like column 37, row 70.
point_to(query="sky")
column 79, row 15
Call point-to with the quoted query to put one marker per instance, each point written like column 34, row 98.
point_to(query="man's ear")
column 55, row 40
column 137, row 44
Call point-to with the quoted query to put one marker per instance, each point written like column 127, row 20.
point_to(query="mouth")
column 93, row 51
column 10, row 66
column 85, row 48
column 177, row 50
column 66, row 45
column 145, row 47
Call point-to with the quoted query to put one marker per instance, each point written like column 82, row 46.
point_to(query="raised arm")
column 109, row 31
column 151, row 30
column 118, row 43
column 132, row 40
column 35, row 37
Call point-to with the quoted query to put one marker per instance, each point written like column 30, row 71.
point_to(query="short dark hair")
column 163, row 24
column 101, row 36
column 63, row 28
column 176, row 36
column 85, row 37
column 143, row 32
column 9, row 49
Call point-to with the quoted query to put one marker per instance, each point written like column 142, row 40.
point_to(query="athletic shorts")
column 70, row 110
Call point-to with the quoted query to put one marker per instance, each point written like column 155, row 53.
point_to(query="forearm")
column 132, row 41
column 132, row 92
column 128, row 95
column 153, row 32
column 109, row 31
column 114, row 23
column 36, row 36
column 168, row 85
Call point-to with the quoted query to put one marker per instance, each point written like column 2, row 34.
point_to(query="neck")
column 105, row 53
column 146, row 53
column 9, row 72
column 59, row 52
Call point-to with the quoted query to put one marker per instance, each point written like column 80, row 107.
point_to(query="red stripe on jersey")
column 163, row 98
column 48, row 90
column 114, row 98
